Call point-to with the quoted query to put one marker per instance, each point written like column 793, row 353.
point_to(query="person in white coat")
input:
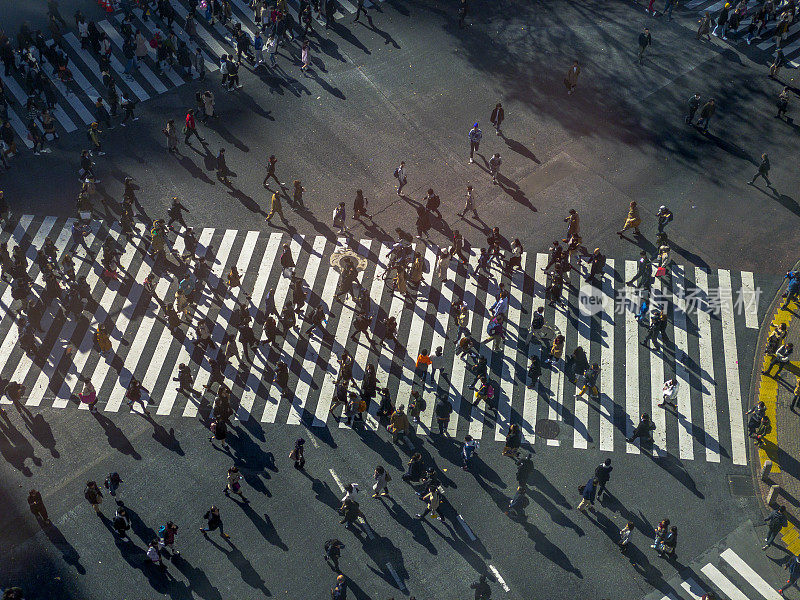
column 669, row 393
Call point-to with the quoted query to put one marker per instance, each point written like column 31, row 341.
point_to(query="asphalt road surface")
column 407, row 85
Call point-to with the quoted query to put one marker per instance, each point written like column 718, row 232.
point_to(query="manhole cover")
column 547, row 428
column 340, row 257
column 741, row 485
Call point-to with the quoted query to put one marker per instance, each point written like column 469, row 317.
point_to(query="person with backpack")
column 333, row 550
column 214, row 522
column 93, row 495
column 588, row 494
column 166, row 537
column 121, row 522
column 518, row 503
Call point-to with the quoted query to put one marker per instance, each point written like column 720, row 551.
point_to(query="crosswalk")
column 766, row 41
column 710, row 315
column 75, row 100
column 727, row 575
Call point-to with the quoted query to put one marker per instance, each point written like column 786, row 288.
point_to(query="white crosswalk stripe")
column 709, row 421
column 214, row 40
column 727, row 575
column 766, row 41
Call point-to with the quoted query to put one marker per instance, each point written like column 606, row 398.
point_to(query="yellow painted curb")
column 768, row 394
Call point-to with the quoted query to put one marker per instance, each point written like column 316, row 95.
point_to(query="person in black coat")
column 498, row 115
column 415, row 469
column 603, row 473
column 524, row 469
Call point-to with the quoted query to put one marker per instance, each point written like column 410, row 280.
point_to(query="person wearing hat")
column 664, row 216
column 475, row 136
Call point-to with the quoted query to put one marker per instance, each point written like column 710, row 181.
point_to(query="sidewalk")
column 782, row 444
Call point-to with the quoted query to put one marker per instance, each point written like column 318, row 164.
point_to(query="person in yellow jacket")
column 234, row 280
column 633, row 221
column 102, row 338
column 417, row 268
column 276, row 207
column 398, row 424
column 94, row 137
column 556, row 350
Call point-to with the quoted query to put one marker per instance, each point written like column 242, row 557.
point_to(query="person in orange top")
column 423, row 360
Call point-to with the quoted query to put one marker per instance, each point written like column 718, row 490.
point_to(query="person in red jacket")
column 191, row 128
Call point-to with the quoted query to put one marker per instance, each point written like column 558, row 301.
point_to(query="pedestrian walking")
column 482, row 589
column 172, row 135
column 644, row 42
column 632, row 221
column 781, row 358
column 222, row 167
column 763, row 171
column 474, row 136
column 432, row 499
column 233, row 484
column 469, row 204
column 382, row 478
column 219, row 431
column 664, row 216
column 398, row 424
column 121, row 522
column 400, row 175
column 214, row 522
column 693, row 105
column 494, row 166
column 333, row 550
column 783, row 104
column 497, row 117
column 643, row 429
column 37, row 507
column 669, row 393
column 298, row 454
column 93, row 495
column 360, row 206
column 793, row 566
column 708, row 110
column 776, row 520
column 190, row 128
column 603, row 473
column 340, row 219
column 304, row 58
column 722, row 21
column 271, row 164
column 571, row 79
column 468, row 452
column 588, row 492
column 339, row 591
column 112, row 483
column 795, row 395
column 625, row 536
column 166, row 538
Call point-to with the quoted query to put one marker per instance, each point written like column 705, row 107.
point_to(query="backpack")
column 397, row 173
column 162, row 532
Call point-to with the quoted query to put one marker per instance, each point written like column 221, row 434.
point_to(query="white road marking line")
column 467, row 528
column 19, row 127
column 438, row 339
column 723, row 583
column 680, row 339
column 358, row 373
column 274, row 397
column 268, row 261
column 367, row 528
column 218, row 272
column 478, row 413
column 749, row 300
column 204, row 34
column 581, row 411
column 707, row 382
column 362, row 354
column 115, row 37
column 606, row 387
column 753, row 579
column 509, row 359
column 22, row 97
column 303, row 386
column 631, row 361
column 738, row 446
column 659, row 415
column 530, row 406
column 499, row 578
column 419, row 310
column 556, row 401
column 176, row 79
column 93, row 67
column 397, row 579
column 458, row 373
column 170, row 393
column 68, row 94
column 336, row 479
